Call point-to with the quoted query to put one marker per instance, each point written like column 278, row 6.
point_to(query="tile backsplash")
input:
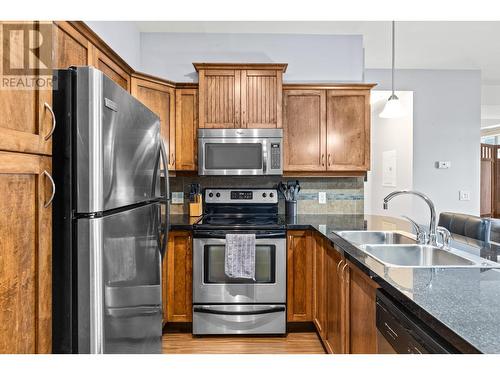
column 344, row 195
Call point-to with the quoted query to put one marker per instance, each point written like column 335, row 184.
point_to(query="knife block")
column 196, row 207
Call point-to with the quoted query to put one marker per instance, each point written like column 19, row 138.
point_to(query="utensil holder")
column 196, row 207
column 291, row 208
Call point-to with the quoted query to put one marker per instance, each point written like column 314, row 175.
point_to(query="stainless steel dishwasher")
column 400, row 332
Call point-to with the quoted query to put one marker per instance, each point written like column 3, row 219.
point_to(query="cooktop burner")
column 241, row 221
column 242, row 209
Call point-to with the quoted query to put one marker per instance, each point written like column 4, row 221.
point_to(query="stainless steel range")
column 222, row 305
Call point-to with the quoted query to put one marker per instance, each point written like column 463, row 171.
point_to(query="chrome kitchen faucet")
column 422, row 236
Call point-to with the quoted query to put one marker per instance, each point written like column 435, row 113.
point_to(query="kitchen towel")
column 239, row 256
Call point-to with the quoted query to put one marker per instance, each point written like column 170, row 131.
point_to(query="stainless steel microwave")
column 240, row 152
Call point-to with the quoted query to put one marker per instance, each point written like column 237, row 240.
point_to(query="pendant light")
column 392, row 108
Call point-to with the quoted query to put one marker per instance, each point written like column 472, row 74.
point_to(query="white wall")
column 123, row 37
column 388, row 135
column 310, row 57
column 446, row 126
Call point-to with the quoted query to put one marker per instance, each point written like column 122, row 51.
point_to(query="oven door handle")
column 250, row 312
column 280, row 234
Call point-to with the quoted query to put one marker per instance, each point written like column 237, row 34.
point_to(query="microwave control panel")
column 275, row 156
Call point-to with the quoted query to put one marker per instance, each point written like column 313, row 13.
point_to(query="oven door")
column 211, row 285
column 232, row 156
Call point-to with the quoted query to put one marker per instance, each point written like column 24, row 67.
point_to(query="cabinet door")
column 160, row 99
column 304, row 130
column 70, row 47
column 319, row 287
column 348, row 130
column 25, row 254
column 362, row 335
column 336, row 308
column 186, row 126
column 261, row 92
column 109, row 67
column 299, row 276
column 179, row 277
column 26, row 120
column 219, row 105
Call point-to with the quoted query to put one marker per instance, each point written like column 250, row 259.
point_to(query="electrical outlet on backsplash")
column 344, row 195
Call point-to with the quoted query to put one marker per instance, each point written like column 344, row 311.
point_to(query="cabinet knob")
column 323, row 160
column 329, row 161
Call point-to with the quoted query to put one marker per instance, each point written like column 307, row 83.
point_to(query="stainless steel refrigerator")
column 110, row 218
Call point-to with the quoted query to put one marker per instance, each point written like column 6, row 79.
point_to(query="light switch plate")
column 322, row 197
column 464, row 195
column 177, row 197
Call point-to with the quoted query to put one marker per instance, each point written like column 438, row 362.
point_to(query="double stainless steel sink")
column 394, row 249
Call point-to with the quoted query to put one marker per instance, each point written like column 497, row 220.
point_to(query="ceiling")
column 419, row 45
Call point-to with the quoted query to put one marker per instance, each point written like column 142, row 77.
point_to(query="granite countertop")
column 182, row 222
column 461, row 305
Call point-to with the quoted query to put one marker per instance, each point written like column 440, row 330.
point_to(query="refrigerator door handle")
column 164, row 224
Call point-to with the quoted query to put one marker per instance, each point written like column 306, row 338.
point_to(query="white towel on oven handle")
column 239, row 257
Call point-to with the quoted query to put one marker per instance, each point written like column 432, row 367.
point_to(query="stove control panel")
column 241, row 196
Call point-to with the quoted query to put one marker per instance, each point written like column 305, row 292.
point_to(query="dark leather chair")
column 465, row 225
column 494, row 230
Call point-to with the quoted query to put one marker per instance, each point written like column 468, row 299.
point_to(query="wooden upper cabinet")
column 326, row 127
column 240, row 95
column 111, row 68
column 348, row 130
column 71, row 48
column 25, row 254
column 186, row 127
column 26, row 121
column 159, row 97
column 219, row 94
column 299, row 276
column 179, row 277
column 304, row 130
column 261, row 98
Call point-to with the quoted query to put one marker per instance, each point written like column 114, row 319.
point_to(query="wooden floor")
column 293, row 343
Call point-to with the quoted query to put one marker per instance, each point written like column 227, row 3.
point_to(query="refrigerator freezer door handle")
column 164, row 156
column 165, row 200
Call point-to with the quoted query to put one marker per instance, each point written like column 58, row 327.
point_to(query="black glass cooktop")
column 240, row 222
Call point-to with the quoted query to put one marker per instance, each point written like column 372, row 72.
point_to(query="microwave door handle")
column 264, row 157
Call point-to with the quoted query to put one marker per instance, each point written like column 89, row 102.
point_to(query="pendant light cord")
column 393, row 57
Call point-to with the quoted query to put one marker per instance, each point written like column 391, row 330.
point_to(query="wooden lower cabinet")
column 344, row 302
column 300, row 250
column 362, row 312
column 25, row 254
column 178, row 278
column 336, row 308
column 319, row 285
